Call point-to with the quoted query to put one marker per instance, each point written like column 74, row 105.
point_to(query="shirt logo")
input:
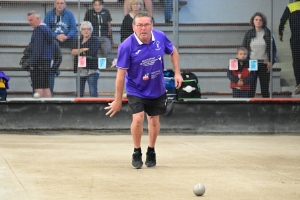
column 157, row 46
column 138, row 51
column 146, row 77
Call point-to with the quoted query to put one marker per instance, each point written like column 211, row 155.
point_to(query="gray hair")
column 86, row 23
column 33, row 13
column 142, row 14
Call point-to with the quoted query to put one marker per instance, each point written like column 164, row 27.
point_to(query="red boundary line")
column 96, row 100
column 266, row 100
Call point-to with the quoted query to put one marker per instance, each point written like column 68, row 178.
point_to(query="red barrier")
column 96, row 100
column 275, row 100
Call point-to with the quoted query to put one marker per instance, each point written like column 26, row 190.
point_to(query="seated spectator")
column 241, row 78
column 89, row 46
column 62, row 23
column 126, row 27
column 148, row 4
column 41, row 55
column 100, row 19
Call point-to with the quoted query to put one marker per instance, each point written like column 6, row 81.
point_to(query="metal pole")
column 176, row 23
column 271, row 69
column 78, row 45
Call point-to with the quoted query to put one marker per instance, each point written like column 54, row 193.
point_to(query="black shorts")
column 152, row 107
column 40, row 76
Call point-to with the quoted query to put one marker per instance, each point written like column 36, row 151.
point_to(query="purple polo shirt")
column 144, row 64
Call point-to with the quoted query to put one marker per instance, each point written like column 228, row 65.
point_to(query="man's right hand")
column 113, row 108
column 280, row 38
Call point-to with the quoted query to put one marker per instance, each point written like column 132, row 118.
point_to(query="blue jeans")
column 168, row 4
column 92, row 80
column 52, row 80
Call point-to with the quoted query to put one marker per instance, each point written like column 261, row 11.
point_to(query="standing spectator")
column 57, row 59
column 141, row 64
column 89, row 46
column 62, row 23
column 126, row 27
column 168, row 4
column 148, row 4
column 240, row 79
column 292, row 13
column 257, row 41
column 101, row 21
column 41, row 54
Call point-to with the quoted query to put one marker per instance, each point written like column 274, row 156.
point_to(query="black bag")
column 24, row 62
column 190, row 88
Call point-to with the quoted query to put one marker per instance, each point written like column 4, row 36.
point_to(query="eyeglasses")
column 143, row 25
column 86, row 29
column 60, row 3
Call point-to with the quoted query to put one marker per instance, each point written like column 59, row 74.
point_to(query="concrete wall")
column 205, row 116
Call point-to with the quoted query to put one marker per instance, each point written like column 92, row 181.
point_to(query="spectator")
column 101, row 21
column 89, row 46
column 240, row 79
column 291, row 13
column 141, row 64
column 54, row 68
column 62, row 23
column 41, row 54
column 126, row 27
column 257, row 41
column 148, row 4
column 168, row 4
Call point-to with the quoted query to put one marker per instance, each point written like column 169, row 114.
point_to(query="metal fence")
column 206, row 33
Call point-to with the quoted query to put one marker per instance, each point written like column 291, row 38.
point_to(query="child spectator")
column 240, row 79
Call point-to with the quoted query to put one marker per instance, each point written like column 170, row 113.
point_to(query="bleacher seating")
column 204, row 49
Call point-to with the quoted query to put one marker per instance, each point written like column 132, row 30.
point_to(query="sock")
column 137, row 149
column 150, row 149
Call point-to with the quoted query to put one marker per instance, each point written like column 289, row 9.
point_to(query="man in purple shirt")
column 141, row 64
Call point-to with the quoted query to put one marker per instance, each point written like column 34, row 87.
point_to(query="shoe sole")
column 150, row 165
column 137, row 167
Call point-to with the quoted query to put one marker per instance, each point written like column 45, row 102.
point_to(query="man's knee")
column 153, row 120
column 138, row 119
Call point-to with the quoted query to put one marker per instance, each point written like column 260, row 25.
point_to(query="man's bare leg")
column 137, row 132
column 137, row 128
column 153, row 129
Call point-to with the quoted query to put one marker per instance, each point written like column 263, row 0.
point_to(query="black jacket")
column 250, row 34
column 102, row 23
column 24, row 62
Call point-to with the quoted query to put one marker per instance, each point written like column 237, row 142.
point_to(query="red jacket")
column 244, row 74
